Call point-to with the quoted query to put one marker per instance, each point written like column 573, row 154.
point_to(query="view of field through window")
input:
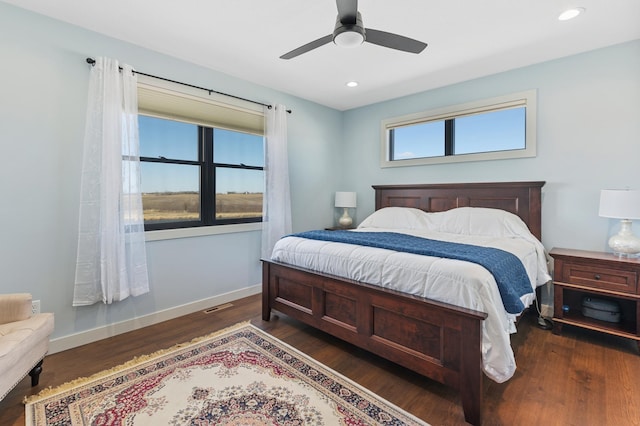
column 185, row 206
column 171, row 172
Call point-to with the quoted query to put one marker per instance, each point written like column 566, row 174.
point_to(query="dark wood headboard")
column 520, row 198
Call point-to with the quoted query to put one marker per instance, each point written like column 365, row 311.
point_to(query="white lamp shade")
column 620, row 203
column 346, row 199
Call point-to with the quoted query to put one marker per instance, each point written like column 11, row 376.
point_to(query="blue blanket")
column 508, row 271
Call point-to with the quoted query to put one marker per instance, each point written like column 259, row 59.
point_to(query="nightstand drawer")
column 597, row 277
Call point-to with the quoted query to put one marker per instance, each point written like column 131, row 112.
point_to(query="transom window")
column 194, row 172
column 492, row 129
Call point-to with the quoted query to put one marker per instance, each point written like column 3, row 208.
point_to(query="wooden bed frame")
column 438, row 340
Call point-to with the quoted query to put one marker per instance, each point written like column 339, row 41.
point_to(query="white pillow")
column 396, row 218
column 479, row 221
column 462, row 220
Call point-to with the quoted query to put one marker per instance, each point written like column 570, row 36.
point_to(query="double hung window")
column 202, row 161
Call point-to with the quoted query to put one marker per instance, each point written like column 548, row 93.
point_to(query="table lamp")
column 623, row 204
column 345, row 200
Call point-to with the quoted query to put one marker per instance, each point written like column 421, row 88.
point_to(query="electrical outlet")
column 35, row 307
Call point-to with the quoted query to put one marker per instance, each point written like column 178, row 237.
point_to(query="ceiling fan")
column 350, row 32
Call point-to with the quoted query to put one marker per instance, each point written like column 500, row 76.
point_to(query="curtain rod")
column 92, row 62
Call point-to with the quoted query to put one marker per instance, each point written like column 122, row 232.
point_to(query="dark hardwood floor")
column 579, row 378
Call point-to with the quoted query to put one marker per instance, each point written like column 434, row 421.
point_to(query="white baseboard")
column 74, row 340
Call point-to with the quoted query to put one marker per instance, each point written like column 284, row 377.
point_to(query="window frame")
column 526, row 99
column 205, row 161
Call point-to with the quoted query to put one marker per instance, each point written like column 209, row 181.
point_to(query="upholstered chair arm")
column 15, row 307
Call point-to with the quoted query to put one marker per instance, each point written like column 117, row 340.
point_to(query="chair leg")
column 35, row 373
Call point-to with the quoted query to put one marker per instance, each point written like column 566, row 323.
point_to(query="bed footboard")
column 437, row 340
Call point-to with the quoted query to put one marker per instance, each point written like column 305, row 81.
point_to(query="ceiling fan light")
column 348, row 39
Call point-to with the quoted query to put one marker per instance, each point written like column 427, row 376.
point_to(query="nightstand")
column 579, row 274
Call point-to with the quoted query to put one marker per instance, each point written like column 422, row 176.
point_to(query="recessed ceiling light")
column 352, row 84
column 571, row 13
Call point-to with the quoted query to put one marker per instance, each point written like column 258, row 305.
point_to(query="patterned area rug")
column 238, row 376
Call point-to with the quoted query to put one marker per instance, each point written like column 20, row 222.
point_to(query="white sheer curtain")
column 276, row 212
column 112, row 260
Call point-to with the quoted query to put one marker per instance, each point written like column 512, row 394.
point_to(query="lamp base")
column 625, row 244
column 345, row 220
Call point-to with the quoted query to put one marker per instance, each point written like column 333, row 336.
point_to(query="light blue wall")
column 588, row 139
column 43, row 91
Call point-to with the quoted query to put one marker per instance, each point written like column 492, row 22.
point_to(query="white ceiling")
column 245, row 38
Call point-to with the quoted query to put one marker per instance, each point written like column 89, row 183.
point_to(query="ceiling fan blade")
column 347, row 11
column 307, row 47
column 394, row 41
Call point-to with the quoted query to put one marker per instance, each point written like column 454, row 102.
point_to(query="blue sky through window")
column 492, row 131
column 418, row 140
column 485, row 132
column 179, row 141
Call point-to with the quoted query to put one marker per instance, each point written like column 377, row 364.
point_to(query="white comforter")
column 457, row 282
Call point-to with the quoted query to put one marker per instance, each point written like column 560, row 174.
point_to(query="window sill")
column 170, row 234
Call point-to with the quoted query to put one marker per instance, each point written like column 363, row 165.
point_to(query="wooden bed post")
column 471, row 372
column 266, row 306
